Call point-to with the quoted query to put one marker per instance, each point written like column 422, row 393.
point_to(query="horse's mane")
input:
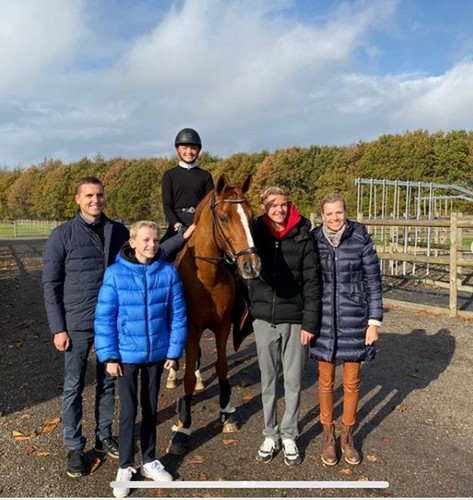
column 235, row 193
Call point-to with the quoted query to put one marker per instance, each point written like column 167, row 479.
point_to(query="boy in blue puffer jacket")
column 140, row 326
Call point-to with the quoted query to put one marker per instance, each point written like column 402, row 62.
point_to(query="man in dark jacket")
column 74, row 261
column 285, row 302
column 352, row 311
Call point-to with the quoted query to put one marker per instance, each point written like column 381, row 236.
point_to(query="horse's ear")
column 245, row 185
column 222, row 181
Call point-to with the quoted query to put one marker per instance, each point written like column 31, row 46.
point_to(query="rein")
column 229, row 254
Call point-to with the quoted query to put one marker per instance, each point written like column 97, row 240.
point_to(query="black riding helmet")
column 188, row 136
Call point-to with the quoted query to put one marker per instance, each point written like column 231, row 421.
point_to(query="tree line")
column 133, row 186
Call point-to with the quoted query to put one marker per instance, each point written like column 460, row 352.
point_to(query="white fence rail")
column 27, row 228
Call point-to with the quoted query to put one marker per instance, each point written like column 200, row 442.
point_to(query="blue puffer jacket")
column 351, row 294
column 141, row 314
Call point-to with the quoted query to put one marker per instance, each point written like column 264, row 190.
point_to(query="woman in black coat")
column 352, row 312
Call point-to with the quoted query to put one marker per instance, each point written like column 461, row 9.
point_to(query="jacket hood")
column 127, row 256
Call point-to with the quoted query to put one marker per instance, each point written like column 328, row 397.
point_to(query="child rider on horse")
column 184, row 186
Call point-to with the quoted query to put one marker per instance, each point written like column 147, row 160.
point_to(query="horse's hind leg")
column 199, row 383
column 171, row 381
column 228, row 416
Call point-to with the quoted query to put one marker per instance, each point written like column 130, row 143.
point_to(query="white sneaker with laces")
column 291, row 453
column 155, row 470
column 123, row 475
column 267, row 450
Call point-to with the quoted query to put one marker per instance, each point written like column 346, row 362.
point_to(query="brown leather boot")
column 329, row 453
column 346, row 442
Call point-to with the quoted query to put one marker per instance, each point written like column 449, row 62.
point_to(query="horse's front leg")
column 228, row 415
column 180, row 441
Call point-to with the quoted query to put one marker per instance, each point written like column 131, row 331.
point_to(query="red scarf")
column 293, row 217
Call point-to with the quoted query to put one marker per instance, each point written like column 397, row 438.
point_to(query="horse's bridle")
column 229, row 253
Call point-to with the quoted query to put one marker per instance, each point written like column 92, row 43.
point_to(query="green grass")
column 8, row 230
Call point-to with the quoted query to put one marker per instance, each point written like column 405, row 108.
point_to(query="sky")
column 119, row 78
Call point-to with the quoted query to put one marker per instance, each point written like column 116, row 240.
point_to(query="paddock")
column 414, row 427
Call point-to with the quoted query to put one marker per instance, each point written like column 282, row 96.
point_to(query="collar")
column 101, row 221
column 334, row 237
column 187, row 166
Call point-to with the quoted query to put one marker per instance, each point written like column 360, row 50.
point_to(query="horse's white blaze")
column 246, row 225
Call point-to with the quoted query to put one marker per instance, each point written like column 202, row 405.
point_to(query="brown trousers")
column 351, row 391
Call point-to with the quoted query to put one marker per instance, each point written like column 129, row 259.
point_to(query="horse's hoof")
column 230, row 427
column 171, row 383
column 179, row 444
column 199, row 385
column 230, row 422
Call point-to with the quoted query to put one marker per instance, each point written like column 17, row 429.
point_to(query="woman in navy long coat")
column 352, row 312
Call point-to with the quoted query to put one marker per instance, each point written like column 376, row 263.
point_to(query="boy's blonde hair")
column 143, row 223
column 270, row 191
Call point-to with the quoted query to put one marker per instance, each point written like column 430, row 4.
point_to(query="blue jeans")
column 75, row 364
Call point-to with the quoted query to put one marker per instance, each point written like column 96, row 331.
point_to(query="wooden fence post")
column 453, row 263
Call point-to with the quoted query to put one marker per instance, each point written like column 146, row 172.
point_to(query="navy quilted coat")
column 351, row 294
column 141, row 313
column 74, row 261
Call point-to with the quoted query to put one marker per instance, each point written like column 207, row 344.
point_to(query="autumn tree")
column 136, row 196
column 21, row 193
column 7, row 178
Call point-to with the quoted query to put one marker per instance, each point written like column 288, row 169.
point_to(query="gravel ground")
column 415, row 420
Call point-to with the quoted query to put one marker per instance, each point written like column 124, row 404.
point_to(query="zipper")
column 273, row 301
column 335, row 285
column 145, row 269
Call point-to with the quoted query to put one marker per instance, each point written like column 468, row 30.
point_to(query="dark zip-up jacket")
column 287, row 290
column 141, row 313
column 351, row 294
column 74, row 261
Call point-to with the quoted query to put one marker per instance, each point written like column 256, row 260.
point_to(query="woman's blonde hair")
column 143, row 223
column 270, row 191
column 332, row 198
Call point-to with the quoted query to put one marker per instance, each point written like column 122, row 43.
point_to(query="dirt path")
column 415, row 419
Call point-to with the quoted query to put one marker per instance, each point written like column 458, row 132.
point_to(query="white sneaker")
column 267, row 450
column 291, row 453
column 123, row 475
column 155, row 470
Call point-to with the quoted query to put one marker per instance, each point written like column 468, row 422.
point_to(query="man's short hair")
column 87, row 180
column 143, row 223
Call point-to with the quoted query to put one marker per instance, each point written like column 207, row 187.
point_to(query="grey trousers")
column 279, row 349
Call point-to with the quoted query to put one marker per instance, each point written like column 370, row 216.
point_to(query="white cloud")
column 250, row 75
column 444, row 101
column 35, row 37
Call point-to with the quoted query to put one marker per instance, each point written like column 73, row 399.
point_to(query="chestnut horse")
column 222, row 235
